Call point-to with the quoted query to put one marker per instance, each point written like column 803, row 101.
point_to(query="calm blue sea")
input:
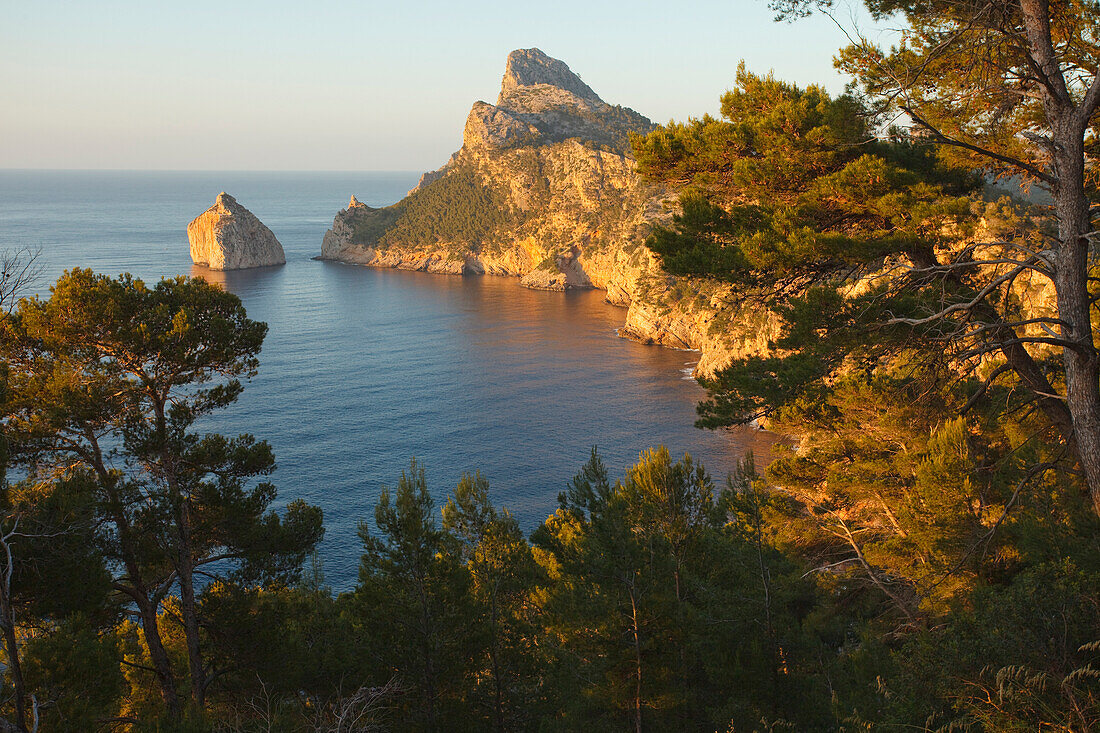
column 364, row 369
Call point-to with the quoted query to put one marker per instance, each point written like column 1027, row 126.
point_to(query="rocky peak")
column 355, row 202
column 529, row 67
column 542, row 102
column 225, row 200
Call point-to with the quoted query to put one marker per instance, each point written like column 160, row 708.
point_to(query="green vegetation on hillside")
column 456, row 209
column 369, row 225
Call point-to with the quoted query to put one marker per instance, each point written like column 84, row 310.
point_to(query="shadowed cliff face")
column 544, row 188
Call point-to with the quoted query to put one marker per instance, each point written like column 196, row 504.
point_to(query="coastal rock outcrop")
column 227, row 236
column 545, row 189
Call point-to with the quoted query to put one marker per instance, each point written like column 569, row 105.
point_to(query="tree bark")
column 185, row 557
column 189, row 608
column 1071, row 285
column 1033, row 378
column 150, row 627
column 1068, row 121
column 15, row 668
column 637, row 658
column 147, row 606
column 159, row 657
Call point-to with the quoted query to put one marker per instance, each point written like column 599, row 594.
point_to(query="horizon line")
column 207, row 170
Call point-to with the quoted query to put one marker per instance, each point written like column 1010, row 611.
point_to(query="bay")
column 364, row 369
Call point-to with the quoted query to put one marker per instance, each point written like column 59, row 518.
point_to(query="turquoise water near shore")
column 364, row 369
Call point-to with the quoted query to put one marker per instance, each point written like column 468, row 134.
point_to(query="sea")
column 364, row 369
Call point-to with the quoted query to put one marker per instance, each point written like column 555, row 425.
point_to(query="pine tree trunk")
column 159, row 657
column 189, row 609
column 637, row 659
column 15, row 668
column 185, row 559
column 136, row 589
column 1071, row 284
column 1068, row 123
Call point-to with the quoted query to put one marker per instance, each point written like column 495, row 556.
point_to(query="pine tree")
column 503, row 577
column 412, row 602
column 108, row 378
column 1010, row 89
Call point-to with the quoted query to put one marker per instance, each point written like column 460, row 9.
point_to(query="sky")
column 353, row 86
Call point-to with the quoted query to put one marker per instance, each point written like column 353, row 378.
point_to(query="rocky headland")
column 227, row 236
column 544, row 188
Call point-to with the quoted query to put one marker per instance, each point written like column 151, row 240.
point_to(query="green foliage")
column 501, row 622
column 927, row 531
column 289, row 652
column 1009, row 90
column 75, row 674
column 113, row 356
column 792, row 184
column 369, row 225
column 662, row 612
column 57, row 568
column 987, row 54
column 924, row 499
column 899, row 494
column 1019, row 657
column 412, row 599
column 5, row 454
column 107, row 379
column 662, row 600
column 457, row 208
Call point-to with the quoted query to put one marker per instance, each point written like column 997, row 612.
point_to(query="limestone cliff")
column 544, row 188
column 228, row 236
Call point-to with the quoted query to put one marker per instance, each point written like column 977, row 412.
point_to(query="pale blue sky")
column 332, row 85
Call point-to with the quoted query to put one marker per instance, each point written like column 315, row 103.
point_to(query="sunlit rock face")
column 228, row 236
column 529, row 67
column 545, row 189
column 543, row 184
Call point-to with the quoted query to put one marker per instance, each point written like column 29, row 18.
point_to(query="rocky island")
column 544, row 188
column 227, row 236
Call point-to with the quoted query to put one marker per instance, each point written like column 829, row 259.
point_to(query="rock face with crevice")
column 227, row 236
column 545, row 189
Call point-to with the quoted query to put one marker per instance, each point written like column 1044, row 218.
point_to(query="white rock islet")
column 227, row 236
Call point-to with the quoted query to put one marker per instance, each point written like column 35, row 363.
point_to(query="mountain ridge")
column 545, row 188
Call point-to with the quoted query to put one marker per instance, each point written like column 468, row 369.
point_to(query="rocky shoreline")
column 544, row 189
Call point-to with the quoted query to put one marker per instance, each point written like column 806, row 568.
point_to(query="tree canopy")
column 107, row 378
column 1012, row 89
